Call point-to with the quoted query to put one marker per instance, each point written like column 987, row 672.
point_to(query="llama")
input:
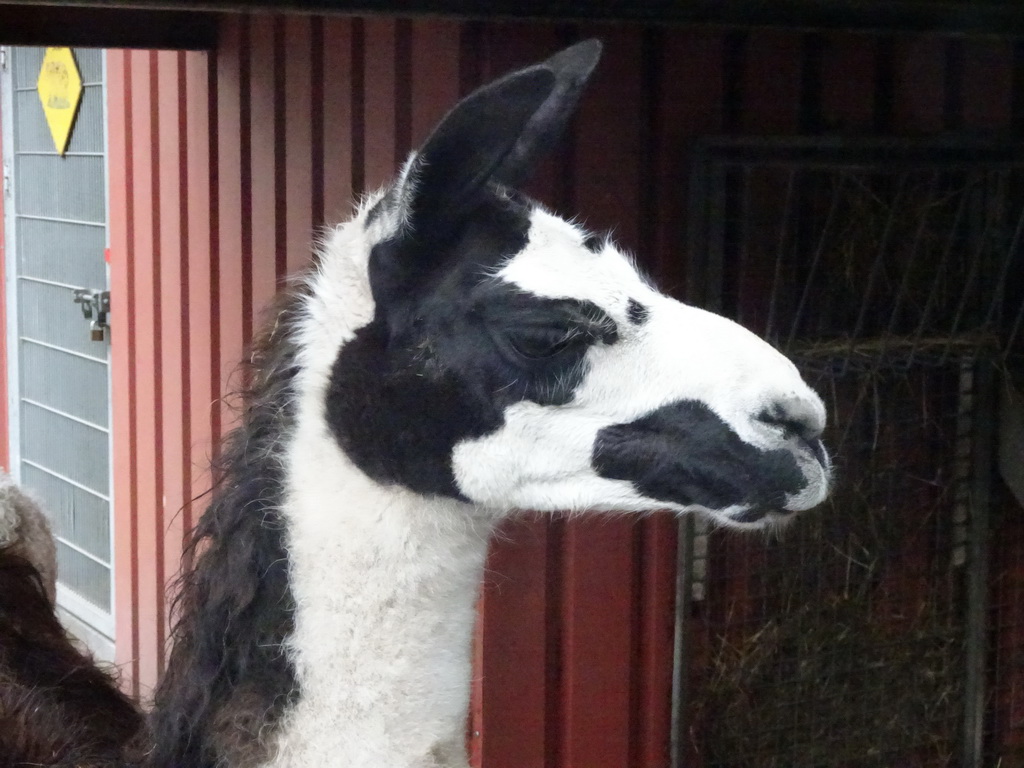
column 457, row 353
column 57, row 708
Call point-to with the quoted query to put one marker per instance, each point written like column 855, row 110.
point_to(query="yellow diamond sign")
column 60, row 91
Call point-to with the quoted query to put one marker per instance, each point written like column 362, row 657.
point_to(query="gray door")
column 58, row 374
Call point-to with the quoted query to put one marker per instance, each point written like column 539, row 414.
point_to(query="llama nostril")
column 819, row 452
column 794, row 421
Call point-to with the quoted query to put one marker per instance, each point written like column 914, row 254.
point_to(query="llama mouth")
column 752, row 515
column 685, row 454
column 816, row 448
column 754, row 518
column 816, row 466
column 760, row 516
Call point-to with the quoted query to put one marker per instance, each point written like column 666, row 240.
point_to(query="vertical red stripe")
column 919, row 84
column 511, row 704
column 233, row 314
column 769, row 104
column 687, row 107
column 848, row 72
column 168, row 285
column 657, row 586
column 122, row 357
column 771, row 82
column 436, row 54
column 474, row 735
column 403, row 76
column 246, row 130
column 380, row 160
column 316, row 125
column 597, row 583
column 197, row 341
column 298, row 139
column 145, row 253
column 280, row 190
column 609, row 134
column 152, row 652
column 263, row 144
column 988, row 75
column 337, row 120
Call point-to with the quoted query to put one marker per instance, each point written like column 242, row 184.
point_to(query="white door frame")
column 10, row 262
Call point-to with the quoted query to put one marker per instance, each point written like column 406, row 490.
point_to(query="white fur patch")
column 383, row 664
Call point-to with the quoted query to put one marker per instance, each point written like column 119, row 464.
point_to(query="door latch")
column 95, row 307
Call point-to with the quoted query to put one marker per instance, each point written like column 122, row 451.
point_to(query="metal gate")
column 859, row 636
column 58, row 371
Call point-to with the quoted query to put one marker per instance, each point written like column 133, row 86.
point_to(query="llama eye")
column 541, row 343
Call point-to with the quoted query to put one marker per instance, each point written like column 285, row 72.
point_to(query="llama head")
column 517, row 362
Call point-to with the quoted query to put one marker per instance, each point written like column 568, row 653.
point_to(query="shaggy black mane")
column 57, row 708
column 229, row 679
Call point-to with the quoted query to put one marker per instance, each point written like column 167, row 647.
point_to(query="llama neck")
column 385, row 584
column 384, row 581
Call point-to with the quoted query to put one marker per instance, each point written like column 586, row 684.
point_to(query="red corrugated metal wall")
column 223, row 164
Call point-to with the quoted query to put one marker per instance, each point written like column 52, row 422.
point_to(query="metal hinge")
column 7, row 181
column 3, row 59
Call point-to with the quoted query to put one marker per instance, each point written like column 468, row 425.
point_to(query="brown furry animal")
column 57, row 708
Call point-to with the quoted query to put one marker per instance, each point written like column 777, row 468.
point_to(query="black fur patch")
column 685, row 454
column 229, row 680
column 637, row 312
column 450, row 350
column 395, row 420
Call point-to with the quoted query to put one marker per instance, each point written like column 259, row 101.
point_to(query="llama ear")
column 572, row 68
column 497, row 133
